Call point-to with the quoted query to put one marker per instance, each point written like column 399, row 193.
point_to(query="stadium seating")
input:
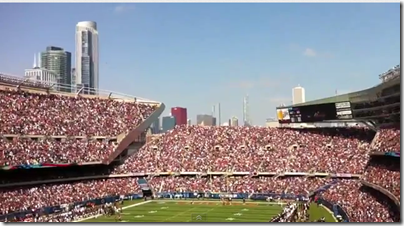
column 385, row 173
column 36, row 197
column 31, row 152
column 388, row 140
column 40, row 127
column 37, row 127
column 26, row 198
column 361, row 204
column 26, row 113
column 252, row 149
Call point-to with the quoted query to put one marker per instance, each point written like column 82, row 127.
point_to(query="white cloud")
column 123, row 8
column 310, row 52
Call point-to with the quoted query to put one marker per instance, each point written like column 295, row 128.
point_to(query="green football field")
column 203, row 211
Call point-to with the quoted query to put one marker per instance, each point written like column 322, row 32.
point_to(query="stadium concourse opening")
column 63, row 163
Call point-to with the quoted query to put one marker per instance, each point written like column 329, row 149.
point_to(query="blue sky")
column 196, row 55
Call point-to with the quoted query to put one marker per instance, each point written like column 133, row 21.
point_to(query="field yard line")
column 179, row 214
column 126, row 207
column 204, row 212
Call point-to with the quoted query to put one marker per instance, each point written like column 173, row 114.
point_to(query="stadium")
column 89, row 158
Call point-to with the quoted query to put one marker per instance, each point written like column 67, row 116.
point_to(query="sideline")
column 126, row 207
column 332, row 214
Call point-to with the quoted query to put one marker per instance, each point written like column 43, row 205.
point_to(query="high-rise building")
column 205, row 120
column 40, row 74
column 73, row 80
column 87, row 62
column 298, row 95
column 168, row 123
column 155, row 126
column 59, row 61
column 234, row 121
column 189, row 122
column 246, row 111
column 180, row 115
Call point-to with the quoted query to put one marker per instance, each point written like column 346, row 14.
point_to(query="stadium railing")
column 178, row 174
column 386, row 192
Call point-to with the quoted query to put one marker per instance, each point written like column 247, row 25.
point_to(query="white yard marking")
column 139, row 216
column 126, row 207
column 164, row 208
column 179, row 214
column 238, row 214
column 153, row 211
column 230, row 219
column 204, row 213
column 244, row 210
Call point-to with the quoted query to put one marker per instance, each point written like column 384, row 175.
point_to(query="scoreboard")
column 315, row 113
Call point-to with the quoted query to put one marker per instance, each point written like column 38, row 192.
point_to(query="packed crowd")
column 186, row 148
column 35, row 197
column 58, row 115
column 31, row 152
column 360, row 204
column 388, row 140
column 385, row 173
column 247, row 184
column 76, row 213
column 252, row 149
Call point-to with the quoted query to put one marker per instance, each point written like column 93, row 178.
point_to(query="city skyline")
column 152, row 56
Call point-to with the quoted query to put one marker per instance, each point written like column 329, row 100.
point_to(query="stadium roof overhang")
column 334, row 99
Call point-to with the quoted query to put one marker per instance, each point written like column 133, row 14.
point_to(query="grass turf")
column 317, row 211
column 202, row 211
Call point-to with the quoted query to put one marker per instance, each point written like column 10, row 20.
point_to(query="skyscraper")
column 234, row 121
column 168, row 123
column 73, row 80
column 298, row 95
column 40, row 74
column 87, row 62
column 59, row 61
column 246, row 111
column 180, row 115
column 205, row 120
column 155, row 126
